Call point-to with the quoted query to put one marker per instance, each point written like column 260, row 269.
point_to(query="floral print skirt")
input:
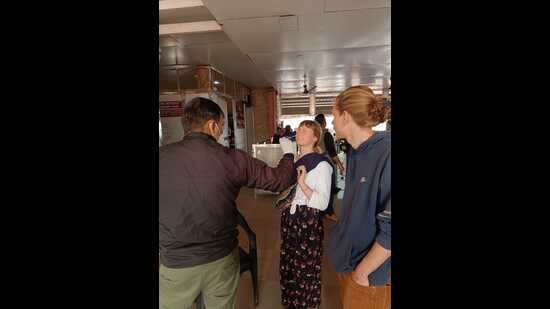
column 301, row 255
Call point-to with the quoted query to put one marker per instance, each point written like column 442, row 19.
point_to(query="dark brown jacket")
column 199, row 181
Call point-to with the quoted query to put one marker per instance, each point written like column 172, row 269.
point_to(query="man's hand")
column 287, row 145
column 341, row 168
column 285, row 206
column 361, row 278
column 301, row 178
column 339, row 165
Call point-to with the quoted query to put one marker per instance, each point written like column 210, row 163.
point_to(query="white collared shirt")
column 319, row 181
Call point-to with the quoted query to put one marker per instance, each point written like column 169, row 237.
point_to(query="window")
column 160, row 131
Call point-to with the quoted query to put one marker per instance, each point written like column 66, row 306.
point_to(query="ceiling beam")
column 195, row 27
column 179, row 4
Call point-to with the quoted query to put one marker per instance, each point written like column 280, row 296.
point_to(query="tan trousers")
column 355, row 296
column 216, row 281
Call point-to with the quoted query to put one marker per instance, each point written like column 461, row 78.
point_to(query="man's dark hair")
column 288, row 129
column 320, row 118
column 198, row 111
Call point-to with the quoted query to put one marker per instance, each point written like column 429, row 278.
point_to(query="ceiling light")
column 191, row 27
column 179, row 4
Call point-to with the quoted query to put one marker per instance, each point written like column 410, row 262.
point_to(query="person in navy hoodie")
column 359, row 244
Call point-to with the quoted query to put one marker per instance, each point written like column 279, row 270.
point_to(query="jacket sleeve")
column 254, row 173
column 383, row 218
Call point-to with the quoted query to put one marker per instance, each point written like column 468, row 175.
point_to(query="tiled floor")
column 265, row 221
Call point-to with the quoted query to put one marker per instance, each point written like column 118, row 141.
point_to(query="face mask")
column 221, row 139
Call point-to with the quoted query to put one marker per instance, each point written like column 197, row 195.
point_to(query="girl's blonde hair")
column 366, row 109
column 316, row 128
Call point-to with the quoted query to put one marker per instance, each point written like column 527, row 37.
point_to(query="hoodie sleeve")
column 383, row 218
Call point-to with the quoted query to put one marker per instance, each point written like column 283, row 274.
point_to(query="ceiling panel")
column 329, row 79
column 187, row 79
column 336, row 86
column 346, row 5
column 330, row 73
column 198, row 38
column 347, row 29
column 333, row 82
column 213, row 48
column 168, row 55
column 327, row 58
column 340, row 85
column 337, row 43
column 224, row 9
column 225, row 57
column 167, row 81
column 215, row 54
column 167, row 40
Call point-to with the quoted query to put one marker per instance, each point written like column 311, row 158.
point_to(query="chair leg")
column 254, row 273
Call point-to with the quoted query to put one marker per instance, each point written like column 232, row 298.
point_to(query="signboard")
column 171, row 109
column 239, row 114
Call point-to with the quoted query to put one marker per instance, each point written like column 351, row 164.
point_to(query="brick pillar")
column 271, row 97
column 264, row 101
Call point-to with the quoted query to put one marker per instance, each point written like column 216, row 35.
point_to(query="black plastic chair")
column 249, row 260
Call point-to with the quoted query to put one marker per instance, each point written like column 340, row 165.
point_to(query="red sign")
column 239, row 106
column 171, row 109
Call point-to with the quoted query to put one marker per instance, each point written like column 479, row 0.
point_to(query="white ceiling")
column 362, row 28
column 214, row 49
column 194, row 39
column 191, row 49
column 345, row 5
column 239, row 9
column 325, row 58
column 337, row 43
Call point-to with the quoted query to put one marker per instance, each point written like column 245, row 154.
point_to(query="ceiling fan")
column 306, row 90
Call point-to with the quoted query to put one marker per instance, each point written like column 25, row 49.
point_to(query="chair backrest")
column 251, row 235
column 242, row 222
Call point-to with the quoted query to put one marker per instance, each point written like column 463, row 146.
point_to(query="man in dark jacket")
column 199, row 180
